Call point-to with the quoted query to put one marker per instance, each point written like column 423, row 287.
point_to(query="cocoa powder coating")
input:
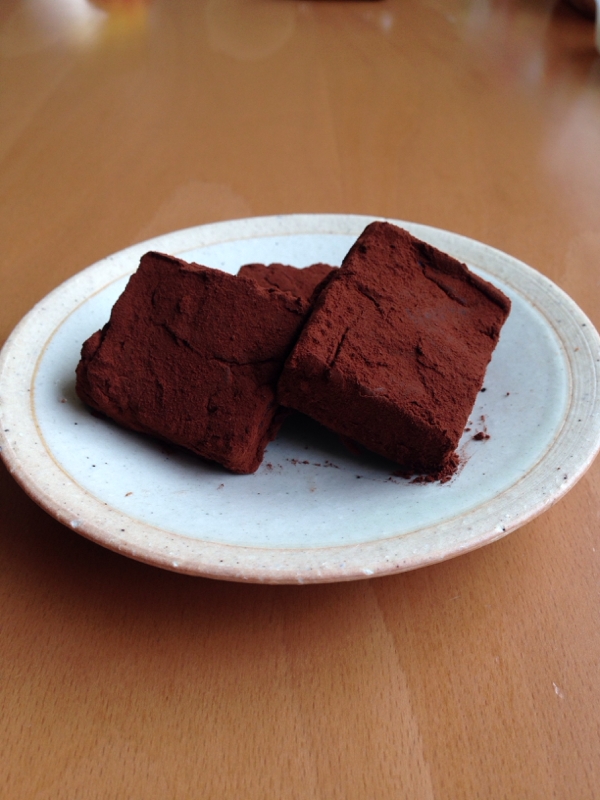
column 193, row 355
column 299, row 282
column 396, row 349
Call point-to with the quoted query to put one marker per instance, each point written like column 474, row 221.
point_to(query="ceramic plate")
column 314, row 511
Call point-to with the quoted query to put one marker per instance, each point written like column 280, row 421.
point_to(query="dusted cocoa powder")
column 395, row 350
column 392, row 356
column 299, row 282
column 192, row 355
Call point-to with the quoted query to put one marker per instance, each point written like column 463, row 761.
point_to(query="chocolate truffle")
column 192, row 355
column 396, row 348
column 299, row 282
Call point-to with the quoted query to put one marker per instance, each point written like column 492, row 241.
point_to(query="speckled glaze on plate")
column 314, row 512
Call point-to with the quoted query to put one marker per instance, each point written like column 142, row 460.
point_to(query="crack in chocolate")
column 233, row 362
column 179, row 340
column 441, row 285
column 338, row 348
column 160, row 391
column 425, row 366
column 370, row 295
column 221, row 359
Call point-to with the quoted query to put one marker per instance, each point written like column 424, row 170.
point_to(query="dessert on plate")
column 389, row 351
column 192, row 355
column 395, row 350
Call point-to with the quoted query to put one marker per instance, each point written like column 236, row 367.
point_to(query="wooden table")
column 474, row 678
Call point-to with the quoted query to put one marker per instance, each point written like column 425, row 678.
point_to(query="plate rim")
column 340, row 562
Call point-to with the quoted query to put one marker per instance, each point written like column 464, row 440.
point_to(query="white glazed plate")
column 314, row 511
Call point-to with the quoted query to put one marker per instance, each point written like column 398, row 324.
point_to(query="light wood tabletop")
column 478, row 677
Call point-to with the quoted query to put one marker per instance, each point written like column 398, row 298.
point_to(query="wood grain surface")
column 475, row 678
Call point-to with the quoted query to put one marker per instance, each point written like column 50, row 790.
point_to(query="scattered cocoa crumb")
column 269, row 466
column 507, row 394
column 128, row 494
column 445, row 474
column 222, row 486
column 479, row 437
column 483, row 389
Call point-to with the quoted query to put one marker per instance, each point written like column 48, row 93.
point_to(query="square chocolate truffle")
column 396, row 349
column 192, row 355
